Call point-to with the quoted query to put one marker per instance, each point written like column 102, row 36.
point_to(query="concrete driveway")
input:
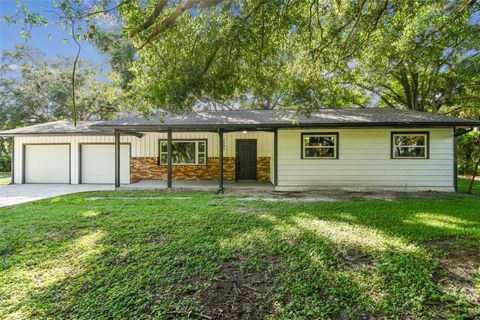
column 12, row 194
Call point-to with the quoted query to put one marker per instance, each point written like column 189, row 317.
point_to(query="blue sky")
column 10, row 35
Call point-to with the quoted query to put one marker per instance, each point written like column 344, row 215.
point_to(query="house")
column 356, row 149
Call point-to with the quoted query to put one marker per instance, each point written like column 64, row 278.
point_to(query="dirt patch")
column 234, row 293
column 459, row 260
column 356, row 260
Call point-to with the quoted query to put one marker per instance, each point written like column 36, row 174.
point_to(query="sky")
column 54, row 47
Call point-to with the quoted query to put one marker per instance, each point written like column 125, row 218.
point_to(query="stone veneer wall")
column 147, row 168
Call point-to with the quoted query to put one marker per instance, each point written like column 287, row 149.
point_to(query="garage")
column 47, row 163
column 97, row 163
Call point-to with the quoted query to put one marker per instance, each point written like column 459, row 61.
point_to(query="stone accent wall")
column 147, row 168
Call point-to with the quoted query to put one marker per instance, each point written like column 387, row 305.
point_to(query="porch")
column 198, row 185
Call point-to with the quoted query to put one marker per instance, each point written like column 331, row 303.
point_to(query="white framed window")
column 319, row 145
column 184, row 152
column 410, row 145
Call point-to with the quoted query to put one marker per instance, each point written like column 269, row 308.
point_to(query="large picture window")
column 184, row 152
column 320, row 146
column 410, row 145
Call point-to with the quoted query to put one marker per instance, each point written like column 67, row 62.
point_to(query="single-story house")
column 356, row 149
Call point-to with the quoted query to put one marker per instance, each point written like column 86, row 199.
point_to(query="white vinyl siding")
column 365, row 163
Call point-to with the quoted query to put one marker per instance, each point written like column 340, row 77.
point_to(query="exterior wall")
column 365, row 163
column 147, row 147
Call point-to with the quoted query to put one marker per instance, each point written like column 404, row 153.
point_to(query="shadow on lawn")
column 168, row 259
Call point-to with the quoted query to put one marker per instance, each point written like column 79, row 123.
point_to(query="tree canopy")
column 36, row 90
column 416, row 54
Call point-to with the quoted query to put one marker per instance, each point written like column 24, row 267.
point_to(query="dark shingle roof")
column 273, row 119
column 57, row 127
column 253, row 119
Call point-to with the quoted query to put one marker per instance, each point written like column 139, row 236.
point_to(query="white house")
column 355, row 149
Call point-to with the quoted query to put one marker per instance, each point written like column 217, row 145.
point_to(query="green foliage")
column 468, row 152
column 420, row 55
column 35, row 90
column 149, row 254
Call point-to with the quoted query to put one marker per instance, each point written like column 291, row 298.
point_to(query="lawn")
column 160, row 255
column 3, row 178
column 463, row 185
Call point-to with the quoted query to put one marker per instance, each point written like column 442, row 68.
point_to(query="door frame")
column 237, row 160
column 24, row 160
column 103, row 143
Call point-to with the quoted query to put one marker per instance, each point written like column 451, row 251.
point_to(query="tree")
column 34, row 90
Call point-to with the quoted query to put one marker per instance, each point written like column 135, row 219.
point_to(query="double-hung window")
column 184, row 152
column 320, row 145
column 410, row 145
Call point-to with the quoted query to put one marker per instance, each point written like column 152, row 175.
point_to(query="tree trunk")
column 475, row 171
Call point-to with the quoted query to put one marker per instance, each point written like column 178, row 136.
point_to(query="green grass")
column 204, row 256
column 463, row 185
column 4, row 175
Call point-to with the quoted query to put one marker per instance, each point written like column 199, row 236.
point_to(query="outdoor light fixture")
column 244, row 131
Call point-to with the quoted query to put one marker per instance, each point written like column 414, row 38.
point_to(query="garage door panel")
column 47, row 163
column 98, row 163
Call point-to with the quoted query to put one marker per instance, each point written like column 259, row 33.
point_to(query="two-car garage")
column 52, row 163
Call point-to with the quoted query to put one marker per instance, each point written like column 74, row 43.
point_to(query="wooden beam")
column 117, row 158
column 169, row 158
column 132, row 133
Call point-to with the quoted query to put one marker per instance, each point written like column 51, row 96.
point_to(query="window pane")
column 201, row 158
column 163, row 146
column 409, row 140
column 320, row 152
column 201, row 146
column 409, row 152
column 183, row 152
column 163, row 158
column 313, row 141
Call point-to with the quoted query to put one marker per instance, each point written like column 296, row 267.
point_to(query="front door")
column 246, row 163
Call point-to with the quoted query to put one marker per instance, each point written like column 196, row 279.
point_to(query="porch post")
column 117, row 158
column 275, row 157
column 12, row 162
column 169, row 158
column 220, row 160
column 455, row 161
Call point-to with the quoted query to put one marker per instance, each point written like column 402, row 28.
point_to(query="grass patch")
column 463, row 185
column 3, row 178
column 5, row 175
column 197, row 255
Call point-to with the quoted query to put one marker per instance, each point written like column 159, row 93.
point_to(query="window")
column 185, row 152
column 410, row 145
column 320, row 146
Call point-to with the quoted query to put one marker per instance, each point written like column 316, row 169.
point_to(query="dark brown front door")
column 246, row 163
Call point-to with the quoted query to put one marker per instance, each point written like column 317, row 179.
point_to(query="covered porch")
column 198, row 159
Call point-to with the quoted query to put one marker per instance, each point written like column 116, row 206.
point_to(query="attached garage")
column 97, row 163
column 47, row 163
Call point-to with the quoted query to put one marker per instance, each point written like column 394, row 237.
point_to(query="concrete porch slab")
column 197, row 185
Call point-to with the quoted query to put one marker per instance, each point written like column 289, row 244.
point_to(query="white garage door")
column 47, row 163
column 98, row 163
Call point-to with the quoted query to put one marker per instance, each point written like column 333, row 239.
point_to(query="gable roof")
column 262, row 119
column 252, row 120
